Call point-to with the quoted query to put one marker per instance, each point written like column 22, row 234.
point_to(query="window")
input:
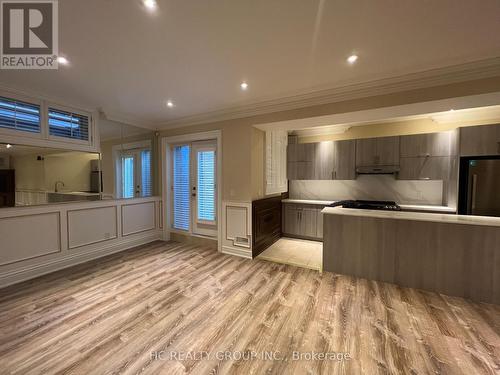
column 18, row 115
column 181, row 185
column 147, row 188
column 68, row 125
column 128, row 177
column 206, row 185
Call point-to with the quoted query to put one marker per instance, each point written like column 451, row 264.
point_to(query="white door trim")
column 166, row 172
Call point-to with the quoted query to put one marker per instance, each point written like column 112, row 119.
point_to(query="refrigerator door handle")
column 474, row 191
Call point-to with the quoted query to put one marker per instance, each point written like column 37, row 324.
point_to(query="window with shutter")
column 206, row 186
column 128, row 177
column 18, row 115
column 181, row 186
column 68, row 124
column 147, row 188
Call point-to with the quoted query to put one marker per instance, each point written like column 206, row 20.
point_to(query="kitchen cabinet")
column 426, row 168
column 481, row 140
column 433, row 144
column 344, row 160
column 300, row 220
column 323, row 161
column 428, row 156
column 377, row 151
column 276, row 161
column 300, row 161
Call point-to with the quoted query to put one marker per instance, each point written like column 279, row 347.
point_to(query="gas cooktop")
column 368, row 205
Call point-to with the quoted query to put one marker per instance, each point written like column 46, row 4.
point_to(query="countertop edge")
column 415, row 216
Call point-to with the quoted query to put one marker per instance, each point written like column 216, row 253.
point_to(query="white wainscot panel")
column 237, row 228
column 91, row 225
column 138, row 217
column 30, row 236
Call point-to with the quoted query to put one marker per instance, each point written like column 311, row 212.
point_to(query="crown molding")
column 429, row 78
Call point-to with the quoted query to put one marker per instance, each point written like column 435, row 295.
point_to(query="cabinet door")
column 366, row 152
column 323, row 161
column 388, row 150
column 291, row 219
column 300, row 161
column 377, row 151
column 433, row 144
column 426, row 168
column 344, row 160
column 480, row 140
column 308, row 222
column 319, row 229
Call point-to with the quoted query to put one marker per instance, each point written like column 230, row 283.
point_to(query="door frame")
column 166, row 177
column 116, row 151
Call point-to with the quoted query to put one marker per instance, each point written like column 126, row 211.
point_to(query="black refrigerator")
column 479, row 186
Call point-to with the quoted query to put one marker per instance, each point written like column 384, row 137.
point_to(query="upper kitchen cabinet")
column 481, row 140
column 433, row 144
column 344, row 160
column 276, row 161
column 301, row 161
column 428, row 156
column 323, row 160
column 377, row 151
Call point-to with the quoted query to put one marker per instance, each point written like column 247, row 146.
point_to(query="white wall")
column 42, row 239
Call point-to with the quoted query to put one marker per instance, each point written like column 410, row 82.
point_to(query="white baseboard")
column 71, row 259
column 237, row 252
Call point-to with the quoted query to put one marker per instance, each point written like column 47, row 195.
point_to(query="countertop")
column 409, row 207
column 416, row 216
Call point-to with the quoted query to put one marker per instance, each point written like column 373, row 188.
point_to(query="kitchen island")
column 451, row 254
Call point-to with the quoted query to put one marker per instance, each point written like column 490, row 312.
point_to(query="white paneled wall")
column 237, row 228
column 41, row 239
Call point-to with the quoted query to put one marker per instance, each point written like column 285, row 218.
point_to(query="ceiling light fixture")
column 8, row 145
column 150, row 4
column 170, row 104
column 352, row 59
column 62, row 60
column 244, row 85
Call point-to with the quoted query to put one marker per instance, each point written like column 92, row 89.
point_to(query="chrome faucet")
column 56, row 184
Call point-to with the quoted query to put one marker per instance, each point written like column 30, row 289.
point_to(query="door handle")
column 474, row 191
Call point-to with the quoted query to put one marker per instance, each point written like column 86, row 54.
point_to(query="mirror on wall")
column 34, row 175
column 128, row 160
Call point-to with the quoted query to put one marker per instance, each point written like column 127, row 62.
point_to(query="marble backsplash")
column 371, row 187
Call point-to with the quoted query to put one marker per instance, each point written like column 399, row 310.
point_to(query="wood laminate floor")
column 168, row 308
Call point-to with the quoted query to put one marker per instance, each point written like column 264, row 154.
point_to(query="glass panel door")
column 204, row 188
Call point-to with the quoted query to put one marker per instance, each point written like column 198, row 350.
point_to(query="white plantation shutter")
column 18, row 115
column 181, row 186
column 128, row 177
column 147, row 188
column 68, row 125
column 206, row 185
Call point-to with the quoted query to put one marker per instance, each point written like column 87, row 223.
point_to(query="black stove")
column 368, row 205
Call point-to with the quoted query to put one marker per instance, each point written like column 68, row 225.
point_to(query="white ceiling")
column 128, row 61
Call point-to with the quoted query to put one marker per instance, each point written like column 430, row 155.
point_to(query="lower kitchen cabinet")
column 302, row 221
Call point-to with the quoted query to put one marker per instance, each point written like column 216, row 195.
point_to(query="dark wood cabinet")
column 266, row 223
column 7, row 188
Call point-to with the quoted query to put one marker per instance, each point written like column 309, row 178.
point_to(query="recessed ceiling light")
column 8, row 145
column 62, row 60
column 150, row 4
column 452, row 110
column 244, row 85
column 352, row 59
column 170, row 104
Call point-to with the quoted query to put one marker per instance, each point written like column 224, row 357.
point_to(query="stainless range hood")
column 378, row 169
